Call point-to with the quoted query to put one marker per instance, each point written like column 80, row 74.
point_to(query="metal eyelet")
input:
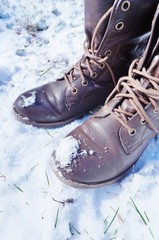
column 101, row 65
column 84, row 83
column 94, row 75
column 119, row 26
column 132, row 132
column 143, row 121
column 74, row 90
column 156, row 110
column 108, row 53
column 125, row 6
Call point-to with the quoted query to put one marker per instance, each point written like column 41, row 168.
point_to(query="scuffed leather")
column 55, row 104
column 113, row 150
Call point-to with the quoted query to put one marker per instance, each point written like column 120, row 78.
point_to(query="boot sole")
column 46, row 125
column 86, row 185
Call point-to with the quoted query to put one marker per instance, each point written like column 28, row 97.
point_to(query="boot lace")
column 90, row 57
column 137, row 95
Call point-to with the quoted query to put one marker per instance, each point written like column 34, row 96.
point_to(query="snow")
column 29, row 101
column 91, row 152
column 66, row 151
column 40, row 40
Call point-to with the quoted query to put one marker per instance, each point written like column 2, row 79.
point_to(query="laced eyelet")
column 125, row 6
column 119, row 26
column 84, row 83
column 132, row 132
column 74, row 90
column 101, row 65
column 108, row 53
column 143, row 121
column 94, row 75
column 156, row 110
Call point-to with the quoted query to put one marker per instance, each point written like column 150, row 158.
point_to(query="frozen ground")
column 39, row 39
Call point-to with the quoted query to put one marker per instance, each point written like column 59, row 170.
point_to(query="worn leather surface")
column 55, row 104
column 113, row 150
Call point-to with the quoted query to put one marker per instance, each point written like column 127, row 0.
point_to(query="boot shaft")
column 94, row 10
column 152, row 48
column 120, row 34
column 148, row 63
column 128, row 20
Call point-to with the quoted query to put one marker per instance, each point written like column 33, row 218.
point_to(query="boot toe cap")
column 22, row 108
column 31, row 108
column 86, row 165
column 91, row 157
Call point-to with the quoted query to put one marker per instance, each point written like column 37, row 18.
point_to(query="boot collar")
column 152, row 48
column 121, row 26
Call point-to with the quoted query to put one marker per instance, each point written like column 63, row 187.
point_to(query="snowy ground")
column 34, row 204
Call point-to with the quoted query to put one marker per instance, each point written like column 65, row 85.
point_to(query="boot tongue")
column 100, row 33
column 153, row 70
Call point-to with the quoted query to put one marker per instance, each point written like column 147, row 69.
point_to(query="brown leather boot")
column 104, row 148
column 116, row 32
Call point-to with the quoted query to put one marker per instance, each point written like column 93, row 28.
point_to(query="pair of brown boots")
column 104, row 148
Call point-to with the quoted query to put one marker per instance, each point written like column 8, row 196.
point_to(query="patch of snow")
column 83, row 153
column 29, row 101
column 67, row 151
column 91, row 152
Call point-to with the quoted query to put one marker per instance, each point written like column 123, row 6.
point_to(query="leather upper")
column 106, row 149
column 118, row 40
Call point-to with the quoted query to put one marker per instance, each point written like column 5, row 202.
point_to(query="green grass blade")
column 18, row 188
column 138, row 211
column 146, row 216
column 47, row 178
column 151, row 233
column 57, row 216
column 112, row 221
column 73, row 228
